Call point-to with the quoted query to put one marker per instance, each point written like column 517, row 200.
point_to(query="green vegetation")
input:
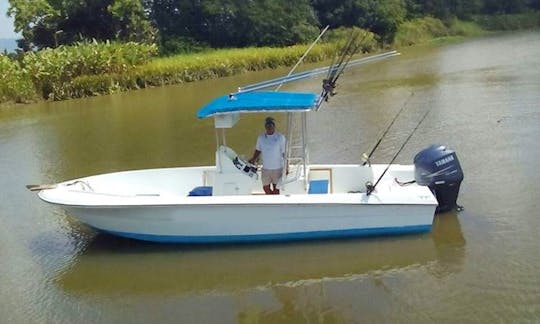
column 93, row 68
column 199, row 66
column 50, row 23
column 15, row 85
column 53, row 70
column 51, row 73
column 464, row 28
column 186, row 25
column 73, row 49
column 526, row 20
column 422, row 30
column 382, row 17
column 232, row 23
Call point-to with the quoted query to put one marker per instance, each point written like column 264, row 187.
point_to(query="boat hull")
column 256, row 223
column 155, row 205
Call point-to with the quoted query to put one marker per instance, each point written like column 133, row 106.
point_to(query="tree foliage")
column 49, row 23
column 237, row 23
column 190, row 25
column 464, row 9
column 381, row 17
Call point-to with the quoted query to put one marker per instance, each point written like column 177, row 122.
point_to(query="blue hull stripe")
column 381, row 231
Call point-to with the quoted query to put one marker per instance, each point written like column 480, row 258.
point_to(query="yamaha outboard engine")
column 438, row 168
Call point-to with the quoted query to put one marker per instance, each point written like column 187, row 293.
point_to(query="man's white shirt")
column 272, row 149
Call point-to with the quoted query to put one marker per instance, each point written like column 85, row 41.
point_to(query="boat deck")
column 345, row 184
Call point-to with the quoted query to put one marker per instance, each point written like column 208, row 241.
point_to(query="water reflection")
column 111, row 265
column 449, row 243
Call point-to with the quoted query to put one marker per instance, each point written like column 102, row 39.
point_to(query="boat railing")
column 312, row 73
column 296, row 175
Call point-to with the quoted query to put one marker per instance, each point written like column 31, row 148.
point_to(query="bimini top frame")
column 251, row 99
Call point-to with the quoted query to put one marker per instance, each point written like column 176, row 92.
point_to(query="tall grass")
column 53, row 70
column 219, row 63
column 206, row 65
column 92, row 68
column 194, row 67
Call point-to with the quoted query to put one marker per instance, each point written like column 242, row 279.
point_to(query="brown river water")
column 478, row 265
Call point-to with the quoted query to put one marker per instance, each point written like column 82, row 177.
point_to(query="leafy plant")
column 52, row 70
column 15, row 85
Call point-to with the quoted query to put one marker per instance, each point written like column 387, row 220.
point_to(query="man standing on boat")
column 271, row 147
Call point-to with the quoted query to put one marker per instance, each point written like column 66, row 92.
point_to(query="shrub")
column 180, row 45
column 92, row 68
column 509, row 22
column 15, row 85
column 464, row 28
column 420, row 30
column 338, row 37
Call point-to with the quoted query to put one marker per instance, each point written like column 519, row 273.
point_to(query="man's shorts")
column 270, row 176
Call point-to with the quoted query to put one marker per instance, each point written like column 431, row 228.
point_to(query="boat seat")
column 318, row 187
column 201, row 191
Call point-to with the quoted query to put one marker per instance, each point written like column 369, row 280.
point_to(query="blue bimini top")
column 268, row 101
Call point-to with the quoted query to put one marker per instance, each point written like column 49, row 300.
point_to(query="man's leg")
column 269, row 179
column 276, row 176
column 266, row 181
column 268, row 190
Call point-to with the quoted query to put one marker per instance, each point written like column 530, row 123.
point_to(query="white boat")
column 225, row 202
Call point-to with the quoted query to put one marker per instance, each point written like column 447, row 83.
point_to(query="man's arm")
column 256, row 154
column 257, row 151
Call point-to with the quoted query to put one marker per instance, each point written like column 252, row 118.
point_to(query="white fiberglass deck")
column 172, row 186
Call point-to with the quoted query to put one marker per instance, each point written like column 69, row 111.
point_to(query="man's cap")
column 269, row 121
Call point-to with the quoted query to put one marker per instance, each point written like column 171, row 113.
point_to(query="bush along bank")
column 53, row 70
column 528, row 20
column 48, row 73
column 208, row 65
column 90, row 69
column 15, row 85
column 423, row 30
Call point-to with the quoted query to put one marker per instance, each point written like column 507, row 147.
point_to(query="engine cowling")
column 438, row 168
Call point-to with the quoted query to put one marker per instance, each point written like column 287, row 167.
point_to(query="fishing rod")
column 304, row 55
column 350, row 55
column 371, row 188
column 367, row 157
column 342, row 54
column 329, row 84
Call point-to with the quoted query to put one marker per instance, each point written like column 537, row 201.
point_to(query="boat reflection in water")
column 449, row 244
column 111, row 265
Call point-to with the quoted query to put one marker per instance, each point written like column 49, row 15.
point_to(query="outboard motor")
column 438, row 168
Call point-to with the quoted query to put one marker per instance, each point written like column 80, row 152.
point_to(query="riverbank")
column 90, row 69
